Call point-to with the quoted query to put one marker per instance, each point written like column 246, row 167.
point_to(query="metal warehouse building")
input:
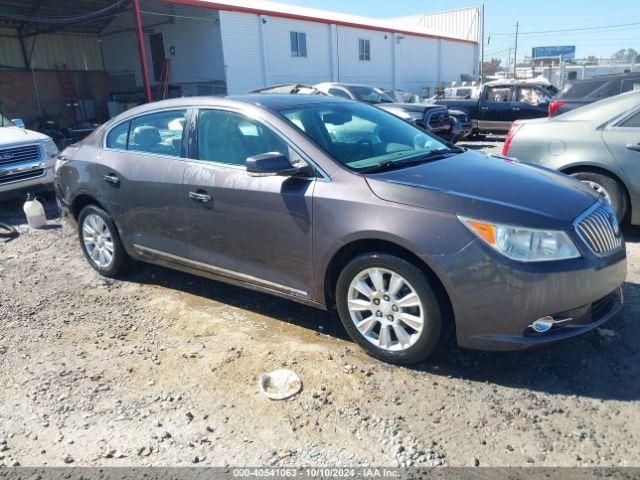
column 59, row 56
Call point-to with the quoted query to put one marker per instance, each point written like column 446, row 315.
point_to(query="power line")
column 569, row 29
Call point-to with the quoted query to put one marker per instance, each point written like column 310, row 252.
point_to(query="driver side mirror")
column 543, row 101
column 269, row 164
column 18, row 122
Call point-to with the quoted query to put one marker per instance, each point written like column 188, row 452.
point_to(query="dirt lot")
column 160, row 368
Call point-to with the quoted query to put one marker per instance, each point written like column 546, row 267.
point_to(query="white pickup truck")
column 27, row 160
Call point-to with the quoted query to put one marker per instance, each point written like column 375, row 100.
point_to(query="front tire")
column 100, row 242
column 609, row 188
column 388, row 307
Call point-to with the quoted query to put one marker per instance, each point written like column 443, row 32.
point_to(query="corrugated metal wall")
column 404, row 61
column 463, row 23
column 79, row 52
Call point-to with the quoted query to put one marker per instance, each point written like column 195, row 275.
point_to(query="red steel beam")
column 141, row 50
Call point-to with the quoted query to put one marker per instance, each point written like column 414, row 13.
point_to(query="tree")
column 492, row 66
column 591, row 60
column 628, row 55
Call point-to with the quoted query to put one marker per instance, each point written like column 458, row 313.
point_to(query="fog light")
column 544, row 324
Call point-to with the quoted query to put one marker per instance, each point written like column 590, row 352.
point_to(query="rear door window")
column 117, row 137
column 158, row 133
column 633, row 121
column 498, row 94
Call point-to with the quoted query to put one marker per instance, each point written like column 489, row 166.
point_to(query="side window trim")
column 193, row 147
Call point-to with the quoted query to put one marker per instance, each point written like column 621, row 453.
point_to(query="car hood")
column 12, row 135
column 487, row 187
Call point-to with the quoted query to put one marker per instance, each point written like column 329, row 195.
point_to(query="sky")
column 618, row 16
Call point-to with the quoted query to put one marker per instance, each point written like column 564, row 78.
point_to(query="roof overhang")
column 274, row 9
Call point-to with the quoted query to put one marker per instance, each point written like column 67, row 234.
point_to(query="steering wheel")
column 359, row 145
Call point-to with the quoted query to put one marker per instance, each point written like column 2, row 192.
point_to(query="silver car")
column 598, row 144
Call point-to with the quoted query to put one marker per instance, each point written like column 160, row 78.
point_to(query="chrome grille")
column 27, row 153
column 600, row 231
column 438, row 120
column 26, row 175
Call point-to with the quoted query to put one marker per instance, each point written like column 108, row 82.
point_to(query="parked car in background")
column 342, row 206
column 27, row 159
column 499, row 104
column 598, row 144
column 432, row 118
column 354, row 91
column 402, row 96
column 461, row 125
column 589, row 90
column 289, row 88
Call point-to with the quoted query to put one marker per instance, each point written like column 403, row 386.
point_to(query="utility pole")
column 515, row 53
column 482, row 47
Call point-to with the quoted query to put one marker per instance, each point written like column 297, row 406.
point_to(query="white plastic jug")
column 34, row 211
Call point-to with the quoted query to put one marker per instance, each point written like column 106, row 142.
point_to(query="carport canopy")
column 89, row 17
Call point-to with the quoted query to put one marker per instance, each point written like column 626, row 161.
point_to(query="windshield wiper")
column 392, row 165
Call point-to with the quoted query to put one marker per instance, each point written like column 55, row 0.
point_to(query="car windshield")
column 370, row 95
column 362, row 137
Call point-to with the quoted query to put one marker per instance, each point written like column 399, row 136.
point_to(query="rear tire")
column 608, row 188
column 101, row 243
column 389, row 308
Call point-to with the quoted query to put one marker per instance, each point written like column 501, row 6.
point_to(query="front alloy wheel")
column 385, row 309
column 388, row 307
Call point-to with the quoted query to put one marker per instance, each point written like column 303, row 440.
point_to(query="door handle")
column 484, row 109
column 516, row 109
column 111, row 178
column 200, row 197
column 634, row 147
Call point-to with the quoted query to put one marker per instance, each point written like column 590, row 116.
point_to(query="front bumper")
column 496, row 300
column 40, row 180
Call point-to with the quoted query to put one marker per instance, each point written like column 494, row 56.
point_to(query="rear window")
column 590, row 89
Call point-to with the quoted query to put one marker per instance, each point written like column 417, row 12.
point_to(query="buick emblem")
column 6, row 156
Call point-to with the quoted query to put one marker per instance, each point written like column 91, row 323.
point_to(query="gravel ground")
column 160, row 368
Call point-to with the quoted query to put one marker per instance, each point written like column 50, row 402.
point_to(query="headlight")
column 50, row 149
column 524, row 244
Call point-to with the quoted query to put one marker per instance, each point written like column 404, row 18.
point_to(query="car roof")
column 278, row 101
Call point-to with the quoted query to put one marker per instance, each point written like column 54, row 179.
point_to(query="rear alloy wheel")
column 388, row 308
column 609, row 188
column 100, row 242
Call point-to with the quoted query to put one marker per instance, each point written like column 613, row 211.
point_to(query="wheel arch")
column 591, row 168
column 82, row 200
column 360, row 246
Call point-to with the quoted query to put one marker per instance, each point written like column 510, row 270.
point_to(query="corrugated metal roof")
column 16, row 13
column 267, row 7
